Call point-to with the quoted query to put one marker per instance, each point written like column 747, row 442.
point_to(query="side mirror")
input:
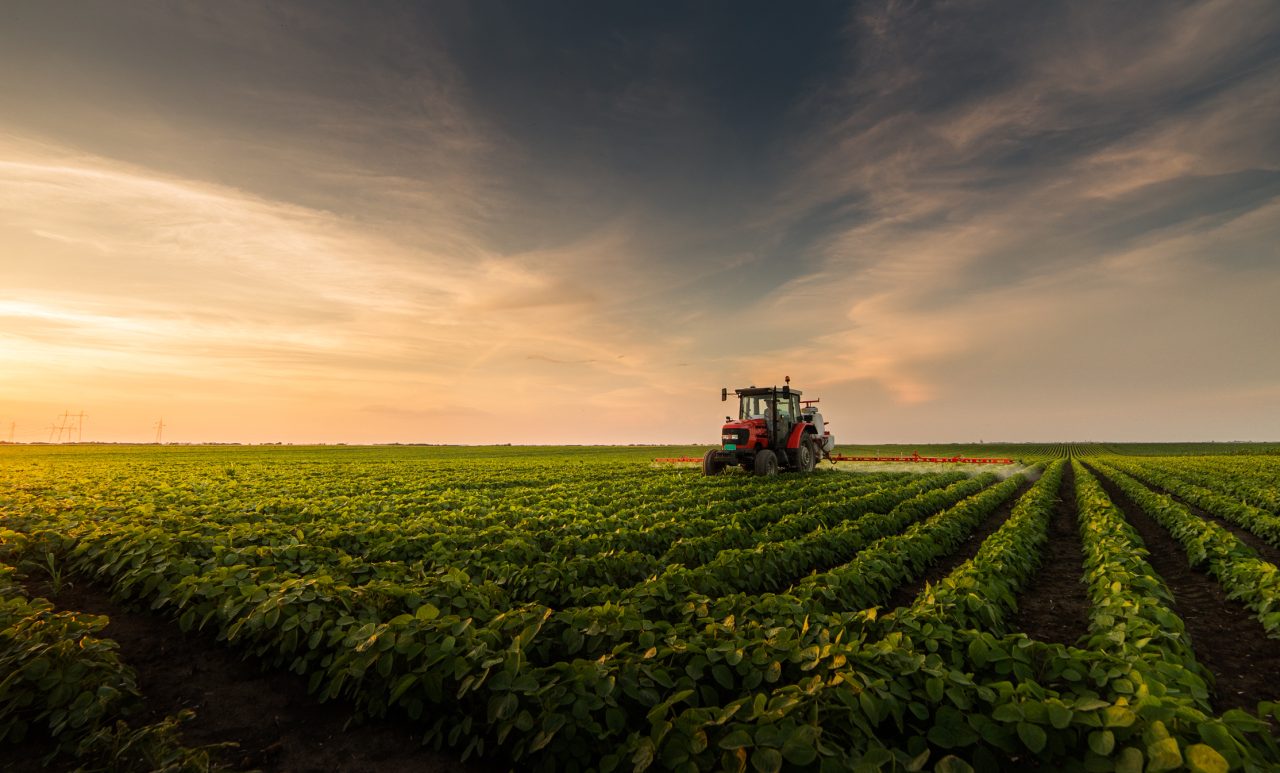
column 724, row 394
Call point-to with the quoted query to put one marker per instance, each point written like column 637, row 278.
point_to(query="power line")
column 159, row 425
column 61, row 426
column 65, row 424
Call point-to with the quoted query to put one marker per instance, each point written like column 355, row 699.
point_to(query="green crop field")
column 1088, row 608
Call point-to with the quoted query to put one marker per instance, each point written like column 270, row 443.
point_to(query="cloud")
column 937, row 214
column 1098, row 158
column 545, row 358
column 157, row 283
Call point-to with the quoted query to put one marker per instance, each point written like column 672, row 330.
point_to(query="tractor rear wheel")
column 805, row 458
column 711, row 465
column 766, row 463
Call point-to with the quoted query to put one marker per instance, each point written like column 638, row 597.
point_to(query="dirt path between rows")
column 1264, row 549
column 1054, row 607
column 1226, row 638
column 907, row 592
column 276, row 723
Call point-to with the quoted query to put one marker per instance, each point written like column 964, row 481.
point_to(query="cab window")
column 754, row 407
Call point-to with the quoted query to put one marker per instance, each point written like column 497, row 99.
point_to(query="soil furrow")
column 1227, row 640
column 1264, row 549
column 906, row 593
column 276, row 723
column 1054, row 607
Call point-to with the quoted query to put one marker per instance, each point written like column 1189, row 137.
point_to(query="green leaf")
column 1164, row 755
column 501, row 707
column 917, row 763
column 1090, row 704
column 1007, row 712
column 1033, row 736
column 870, row 706
column 766, row 760
column 1202, row 758
column 952, row 764
column 735, row 740
column 800, row 747
column 950, row 729
column 1118, row 716
column 1059, row 716
column 978, row 652
column 1129, row 760
column 1102, row 742
column 404, row 684
column 643, row 757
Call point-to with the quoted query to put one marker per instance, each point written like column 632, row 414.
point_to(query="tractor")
column 775, row 430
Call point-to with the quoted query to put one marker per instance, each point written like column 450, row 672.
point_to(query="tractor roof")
column 757, row 391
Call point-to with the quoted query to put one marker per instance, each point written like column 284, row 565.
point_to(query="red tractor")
column 775, row 430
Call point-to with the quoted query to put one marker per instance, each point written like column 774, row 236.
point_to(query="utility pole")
column 63, row 425
column 159, row 429
column 79, row 426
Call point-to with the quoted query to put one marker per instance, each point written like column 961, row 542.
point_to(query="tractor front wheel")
column 711, row 465
column 805, row 459
column 766, row 463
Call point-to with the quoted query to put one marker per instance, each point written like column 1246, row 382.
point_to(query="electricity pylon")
column 63, row 425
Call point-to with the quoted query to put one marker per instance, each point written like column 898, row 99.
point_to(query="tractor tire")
column 710, row 466
column 806, row 459
column 766, row 463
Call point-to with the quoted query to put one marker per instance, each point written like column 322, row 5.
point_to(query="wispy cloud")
column 499, row 224
column 152, row 277
column 1103, row 168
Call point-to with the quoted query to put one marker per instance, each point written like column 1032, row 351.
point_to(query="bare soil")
column 1227, row 639
column 276, row 724
column 1054, row 607
column 906, row 593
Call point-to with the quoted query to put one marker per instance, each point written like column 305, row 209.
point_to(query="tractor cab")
column 766, row 413
column 772, row 432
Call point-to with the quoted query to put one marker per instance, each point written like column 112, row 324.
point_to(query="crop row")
column 62, row 680
column 929, row 686
column 1253, row 482
column 741, row 659
column 350, row 633
column 1235, row 565
column 1260, row 522
column 875, row 562
column 792, row 547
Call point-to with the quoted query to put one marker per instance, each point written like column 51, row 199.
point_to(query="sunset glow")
column 490, row 222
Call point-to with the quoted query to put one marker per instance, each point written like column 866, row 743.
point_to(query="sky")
column 574, row 222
